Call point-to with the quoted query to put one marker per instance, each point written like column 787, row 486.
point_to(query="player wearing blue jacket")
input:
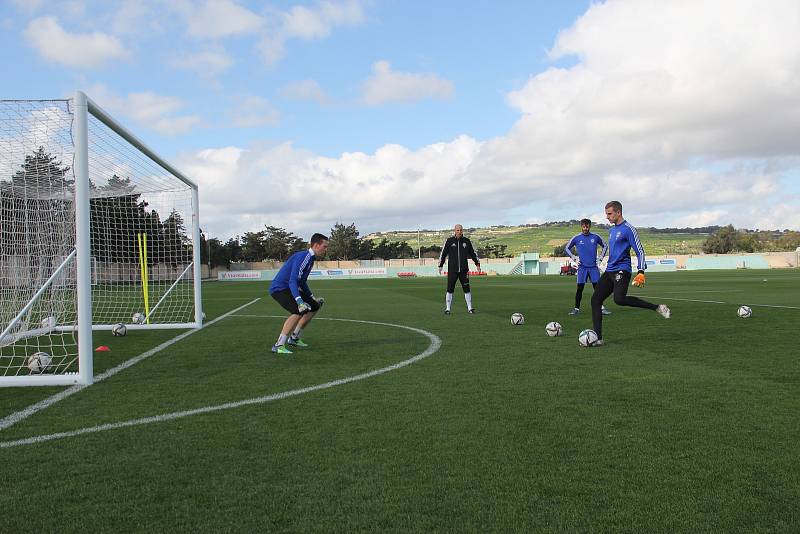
column 290, row 289
column 586, row 258
column 622, row 237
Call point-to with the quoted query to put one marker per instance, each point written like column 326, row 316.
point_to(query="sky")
column 406, row 114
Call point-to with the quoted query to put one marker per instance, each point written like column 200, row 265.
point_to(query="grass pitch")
column 684, row 424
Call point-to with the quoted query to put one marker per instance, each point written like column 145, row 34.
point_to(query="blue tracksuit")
column 294, row 274
column 586, row 246
column 621, row 239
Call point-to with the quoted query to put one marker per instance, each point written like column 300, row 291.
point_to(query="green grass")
column 544, row 239
column 689, row 424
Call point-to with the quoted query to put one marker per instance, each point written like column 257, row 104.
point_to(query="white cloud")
column 315, row 23
column 148, row 109
column 272, row 48
column 386, row 85
column 308, row 23
column 208, row 63
column 220, row 18
column 79, row 50
column 309, row 90
column 254, row 111
column 685, row 111
column 175, row 125
column 393, row 182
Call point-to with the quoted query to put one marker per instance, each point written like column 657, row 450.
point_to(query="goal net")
column 96, row 230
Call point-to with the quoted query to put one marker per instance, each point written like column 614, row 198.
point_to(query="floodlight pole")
column 419, row 246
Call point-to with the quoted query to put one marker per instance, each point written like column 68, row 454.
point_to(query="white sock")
column 282, row 340
column 448, row 300
column 297, row 332
column 468, row 298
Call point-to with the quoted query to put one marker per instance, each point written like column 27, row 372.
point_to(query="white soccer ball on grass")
column 517, row 319
column 119, row 330
column 744, row 312
column 553, row 329
column 587, row 338
column 39, row 362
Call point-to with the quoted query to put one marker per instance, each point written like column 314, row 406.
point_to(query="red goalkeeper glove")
column 638, row 280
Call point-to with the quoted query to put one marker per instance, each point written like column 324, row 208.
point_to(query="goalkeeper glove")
column 301, row 305
column 638, row 280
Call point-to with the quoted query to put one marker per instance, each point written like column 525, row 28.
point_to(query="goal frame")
column 83, row 107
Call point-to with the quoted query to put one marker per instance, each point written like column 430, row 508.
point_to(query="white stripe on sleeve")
column 638, row 246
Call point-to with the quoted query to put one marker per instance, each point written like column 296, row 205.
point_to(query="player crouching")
column 290, row 289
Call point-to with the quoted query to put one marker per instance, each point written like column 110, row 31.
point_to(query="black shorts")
column 285, row 299
column 462, row 276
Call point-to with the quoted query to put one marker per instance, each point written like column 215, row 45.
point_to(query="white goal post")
column 96, row 230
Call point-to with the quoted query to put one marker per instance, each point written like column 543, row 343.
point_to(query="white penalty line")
column 16, row 417
column 435, row 344
column 731, row 303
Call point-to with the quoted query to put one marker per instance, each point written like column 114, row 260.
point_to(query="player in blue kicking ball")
column 586, row 244
column 290, row 289
column 622, row 237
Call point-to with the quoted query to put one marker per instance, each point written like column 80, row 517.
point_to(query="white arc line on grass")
column 436, row 342
column 16, row 417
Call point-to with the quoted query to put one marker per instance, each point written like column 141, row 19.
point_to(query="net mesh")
column 138, row 225
column 141, row 249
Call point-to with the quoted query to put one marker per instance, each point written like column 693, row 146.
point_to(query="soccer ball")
column 744, row 312
column 553, row 329
column 587, row 338
column 49, row 322
column 39, row 362
column 138, row 318
column 119, row 330
column 517, row 319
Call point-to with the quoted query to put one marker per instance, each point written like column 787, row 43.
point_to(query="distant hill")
column 543, row 238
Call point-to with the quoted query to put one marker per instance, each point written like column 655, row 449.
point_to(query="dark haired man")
column 290, row 289
column 586, row 244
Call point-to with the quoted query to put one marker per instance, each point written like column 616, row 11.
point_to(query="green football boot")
column 296, row 342
column 280, row 349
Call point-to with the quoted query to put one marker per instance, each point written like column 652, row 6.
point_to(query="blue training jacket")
column 621, row 239
column 586, row 245
column 294, row 274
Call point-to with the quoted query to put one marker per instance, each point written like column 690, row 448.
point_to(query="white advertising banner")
column 335, row 273
column 240, row 275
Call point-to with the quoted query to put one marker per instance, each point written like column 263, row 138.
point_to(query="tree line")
column 36, row 204
column 728, row 239
column 276, row 244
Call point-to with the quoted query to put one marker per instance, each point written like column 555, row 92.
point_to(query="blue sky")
column 398, row 114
